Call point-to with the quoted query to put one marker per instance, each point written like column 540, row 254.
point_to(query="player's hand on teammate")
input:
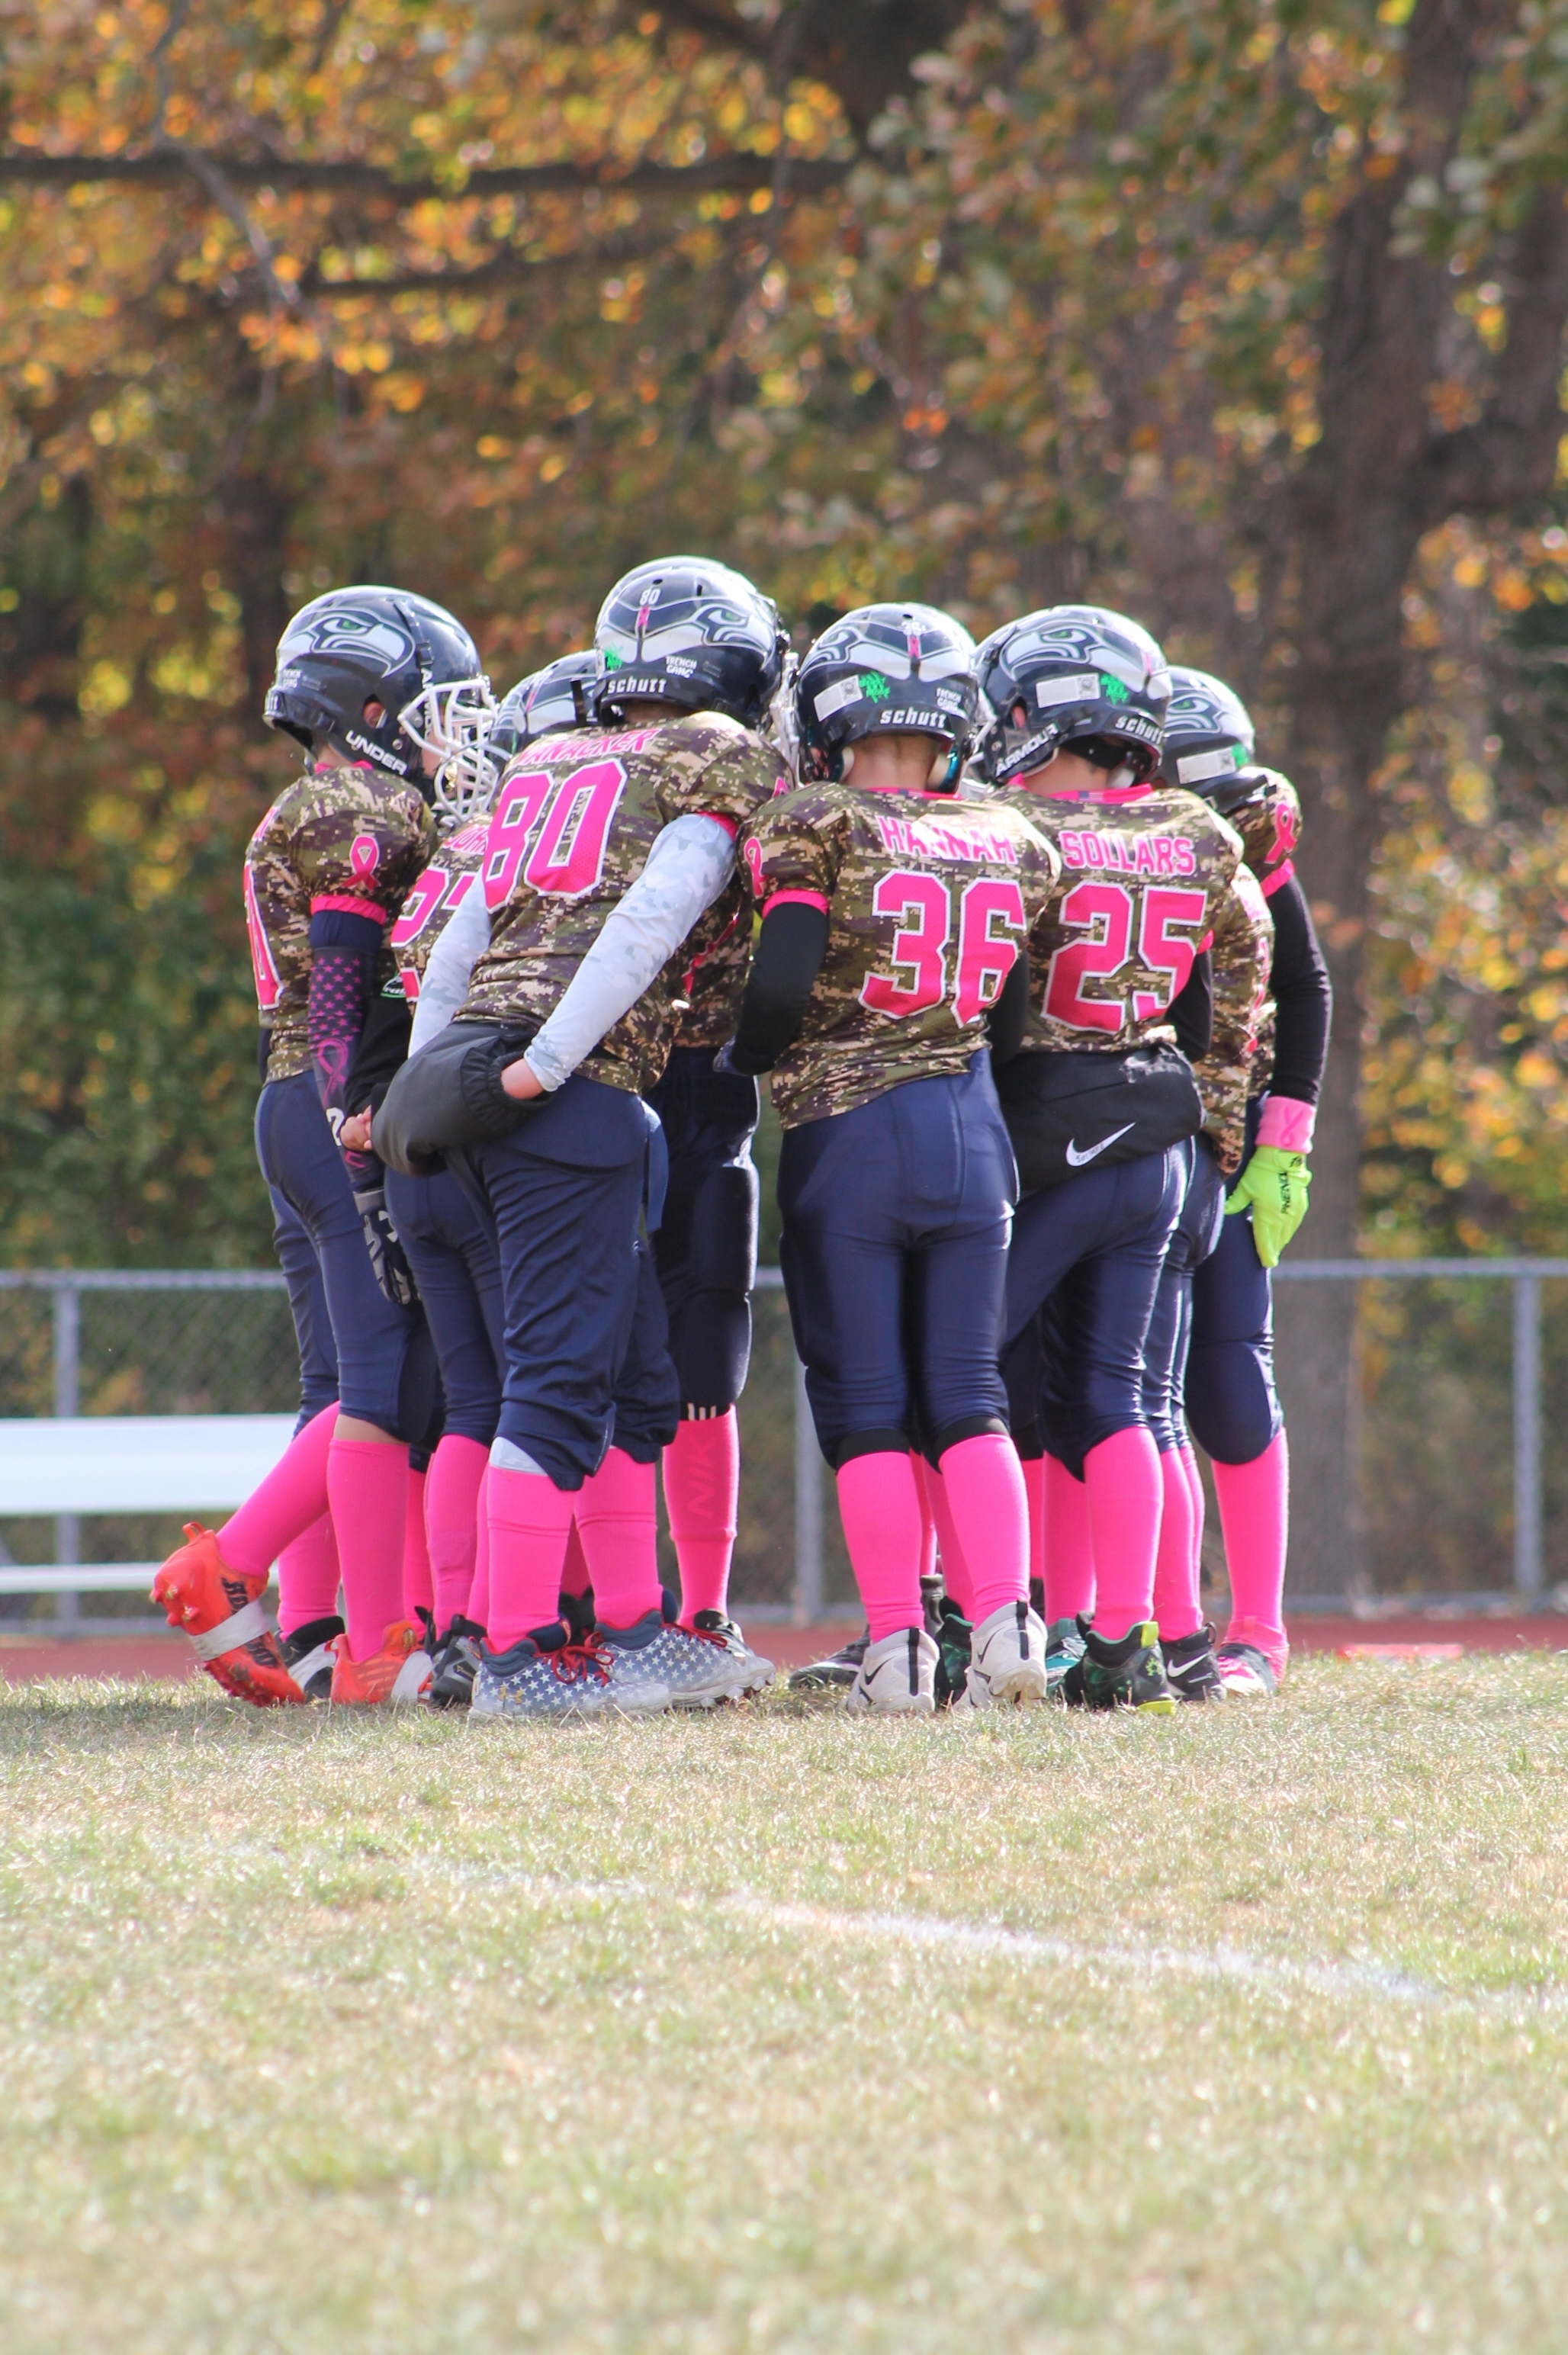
column 1274, row 1186
column 520, row 1082
column 354, row 1134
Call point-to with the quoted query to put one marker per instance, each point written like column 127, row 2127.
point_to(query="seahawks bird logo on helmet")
column 693, row 635
column 382, row 676
column 886, row 666
column 544, row 703
column 1078, row 677
column 1209, row 740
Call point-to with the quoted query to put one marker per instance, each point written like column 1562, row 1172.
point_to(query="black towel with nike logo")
column 1067, row 1111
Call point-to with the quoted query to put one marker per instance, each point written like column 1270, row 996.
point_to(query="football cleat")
column 1063, row 1648
column 221, row 1610
column 397, row 1677
column 897, row 1678
column 1127, row 1674
column 1192, row 1671
column 553, row 1681
column 954, row 1638
column 455, row 1663
column 309, row 1655
column 1007, row 1660
column 692, row 1672
column 755, row 1674
column 837, row 1672
column 1245, row 1673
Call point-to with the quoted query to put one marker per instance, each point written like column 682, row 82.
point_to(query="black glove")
column 388, row 1257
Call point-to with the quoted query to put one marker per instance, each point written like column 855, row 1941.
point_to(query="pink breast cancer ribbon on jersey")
column 364, row 856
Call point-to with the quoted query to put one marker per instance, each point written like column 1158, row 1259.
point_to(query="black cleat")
column 953, row 1640
column 1191, row 1669
column 837, row 1672
column 308, row 1656
column 455, row 1664
column 1127, row 1674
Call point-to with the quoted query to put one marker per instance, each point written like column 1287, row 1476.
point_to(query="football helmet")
column 1078, row 677
column 1209, row 740
column 353, row 647
column 894, row 667
column 544, row 702
column 685, row 631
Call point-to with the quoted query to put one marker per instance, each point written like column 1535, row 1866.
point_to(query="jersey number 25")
column 1103, row 914
column 990, row 933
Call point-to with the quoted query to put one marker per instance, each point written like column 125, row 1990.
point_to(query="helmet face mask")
column 453, row 721
column 1069, row 676
column 351, row 663
column 906, row 669
column 1209, row 740
column 690, row 634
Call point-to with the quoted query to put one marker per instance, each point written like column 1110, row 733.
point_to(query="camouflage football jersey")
column 346, row 840
column 929, row 899
column 711, row 969
column 1149, row 880
column 573, row 821
column 436, row 894
column 1269, row 823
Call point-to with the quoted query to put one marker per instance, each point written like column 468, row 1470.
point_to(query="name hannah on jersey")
column 1128, row 854
column 938, row 838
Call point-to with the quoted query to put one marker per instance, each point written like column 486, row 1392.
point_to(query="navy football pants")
column 1231, row 1401
column 706, row 1248
column 1082, row 1273
column 895, row 1253
column 386, row 1364
column 307, row 1302
column 586, row 1361
column 451, row 1249
column 1171, row 1327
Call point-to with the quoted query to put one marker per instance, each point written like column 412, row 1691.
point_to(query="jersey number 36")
column 990, row 933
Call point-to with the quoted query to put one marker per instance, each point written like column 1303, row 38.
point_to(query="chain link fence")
column 1459, row 1494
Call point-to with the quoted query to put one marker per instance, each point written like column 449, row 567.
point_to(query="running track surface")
column 24, row 1660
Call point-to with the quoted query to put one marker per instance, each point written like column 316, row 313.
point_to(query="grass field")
column 1245, row 2031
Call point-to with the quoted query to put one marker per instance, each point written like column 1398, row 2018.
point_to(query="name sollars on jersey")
column 931, row 897
column 346, row 840
column 574, row 819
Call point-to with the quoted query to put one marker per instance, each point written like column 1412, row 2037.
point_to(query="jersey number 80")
column 553, row 831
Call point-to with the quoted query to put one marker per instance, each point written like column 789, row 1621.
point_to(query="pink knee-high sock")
column 451, row 1522
column 884, row 1531
column 1033, row 1470
column 702, row 1497
column 938, row 1505
column 530, row 1520
column 290, row 1497
column 367, row 1482
column 617, row 1520
column 1254, row 1513
column 307, row 1577
column 1068, row 1545
column 925, row 1481
column 984, row 1492
column 1175, row 1605
column 418, row 1583
column 1200, row 1510
column 574, row 1578
column 479, row 1593
column 1125, row 1496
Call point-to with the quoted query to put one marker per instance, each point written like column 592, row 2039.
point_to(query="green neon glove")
column 1274, row 1188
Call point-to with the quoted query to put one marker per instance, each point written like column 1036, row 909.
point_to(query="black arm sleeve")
column 1300, row 983
column 382, row 1050
column 788, row 957
column 1192, row 1009
column 1007, row 1017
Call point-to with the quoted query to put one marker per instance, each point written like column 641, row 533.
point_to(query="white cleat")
column 751, row 1673
column 897, row 1676
column 1006, row 1661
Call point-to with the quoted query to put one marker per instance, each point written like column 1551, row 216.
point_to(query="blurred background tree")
column 1247, row 318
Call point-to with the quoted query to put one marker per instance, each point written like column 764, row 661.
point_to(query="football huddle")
column 1014, row 934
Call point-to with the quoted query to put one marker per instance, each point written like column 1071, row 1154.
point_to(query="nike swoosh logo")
column 1075, row 1159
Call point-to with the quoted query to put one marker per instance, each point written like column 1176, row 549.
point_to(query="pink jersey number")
column 1103, row 912
column 566, row 857
column 986, row 954
column 918, row 944
column 269, row 987
column 1164, row 949
column 419, row 906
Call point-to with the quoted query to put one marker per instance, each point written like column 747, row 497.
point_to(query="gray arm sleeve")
column 688, row 866
column 463, row 940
